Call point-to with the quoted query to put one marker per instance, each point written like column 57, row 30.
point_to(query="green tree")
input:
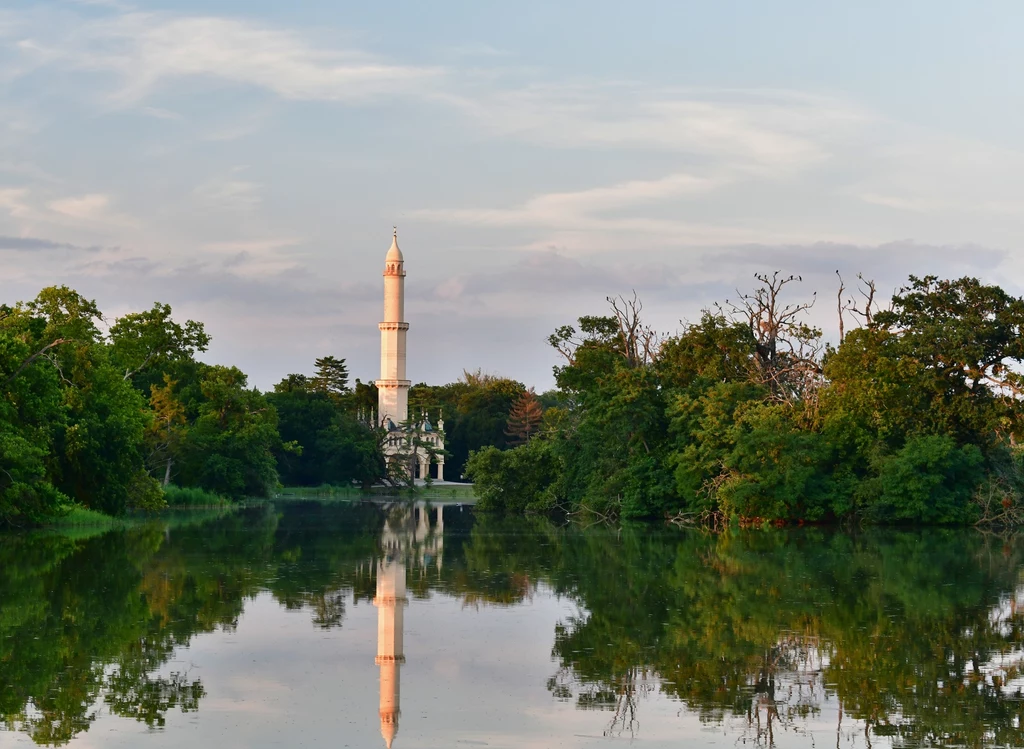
column 331, row 377
column 334, row 446
column 166, row 432
column 230, row 449
column 31, row 418
column 149, row 345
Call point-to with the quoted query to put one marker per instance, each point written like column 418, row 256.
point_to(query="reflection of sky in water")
column 474, row 675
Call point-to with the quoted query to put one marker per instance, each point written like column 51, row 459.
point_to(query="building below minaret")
column 413, row 444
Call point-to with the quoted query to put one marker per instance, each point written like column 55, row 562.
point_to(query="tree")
column 31, row 417
column 151, row 341
column 787, row 350
column 100, row 451
column 166, row 433
column 524, row 419
column 331, row 377
column 475, row 411
column 516, row 480
column 334, row 447
column 230, row 449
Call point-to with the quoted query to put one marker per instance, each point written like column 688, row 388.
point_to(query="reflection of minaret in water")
column 410, row 533
column 390, row 603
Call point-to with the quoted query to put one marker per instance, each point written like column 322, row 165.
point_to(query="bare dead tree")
column 624, row 331
column 839, row 303
column 639, row 342
column 787, row 349
column 866, row 308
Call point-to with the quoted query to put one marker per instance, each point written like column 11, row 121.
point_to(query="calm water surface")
column 359, row 625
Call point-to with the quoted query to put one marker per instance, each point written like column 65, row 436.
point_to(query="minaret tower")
column 390, row 602
column 392, row 387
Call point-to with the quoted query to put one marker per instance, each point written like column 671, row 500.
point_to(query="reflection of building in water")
column 408, row 539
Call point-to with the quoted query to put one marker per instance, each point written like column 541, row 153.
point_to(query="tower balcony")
column 393, row 383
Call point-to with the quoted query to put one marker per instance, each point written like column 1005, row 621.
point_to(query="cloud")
column 254, row 294
column 758, row 131
column 145, row 50
column 161, row 114
column 254, row 258
column 15, row 201
column 92, row 208
column 29, row 244
column 230, row 193
column 597, row 218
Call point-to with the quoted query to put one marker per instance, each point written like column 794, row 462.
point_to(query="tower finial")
column 395, row 227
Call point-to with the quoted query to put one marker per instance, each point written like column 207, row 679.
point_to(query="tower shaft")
column 393, row 387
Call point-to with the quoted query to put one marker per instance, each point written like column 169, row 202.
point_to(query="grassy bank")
column 82, row 523
column 83, row 517
column 187, row 496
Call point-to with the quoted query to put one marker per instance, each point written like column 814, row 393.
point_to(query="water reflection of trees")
column 913, row 635
column 94, row 621
column 904, row 630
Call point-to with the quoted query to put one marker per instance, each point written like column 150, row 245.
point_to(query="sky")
column 245, row 162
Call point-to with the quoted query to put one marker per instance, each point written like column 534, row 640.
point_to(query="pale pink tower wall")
column 390, row 603
column 392, row 387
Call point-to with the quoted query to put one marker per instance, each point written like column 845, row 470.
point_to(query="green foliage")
column 93, row 422
column 745, row 416
column 230, row 449
column 31, row 417
column 323, row 440
column 102, row 446
column 514, row 480
column 147, row 346
column 909, row 633
column 931, row 479
column 331, row 377
column 475, row 412
column 191, row 496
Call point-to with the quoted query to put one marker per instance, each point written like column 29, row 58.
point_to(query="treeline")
column 749, row 415
column 125, row 416
column 117, row 420
column 104, row 421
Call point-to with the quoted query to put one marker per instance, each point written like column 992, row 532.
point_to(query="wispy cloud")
column 145, row 50
column 37, row 244
column 256, row 258
column 604, row 218
column 229, row 193
column 754, row 130
column 93, row 208
column 161, row 114
column 15, row 200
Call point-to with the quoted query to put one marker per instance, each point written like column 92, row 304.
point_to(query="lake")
column 334, row 624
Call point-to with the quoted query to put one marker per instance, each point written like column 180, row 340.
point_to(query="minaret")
column 390, row 603
column 392, row 387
